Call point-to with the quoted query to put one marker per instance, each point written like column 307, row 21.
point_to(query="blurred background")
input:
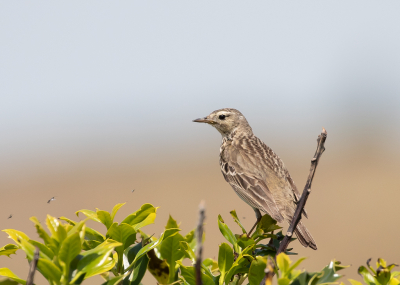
column 97, row 98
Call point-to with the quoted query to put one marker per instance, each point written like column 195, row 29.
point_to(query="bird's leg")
column 258, row 216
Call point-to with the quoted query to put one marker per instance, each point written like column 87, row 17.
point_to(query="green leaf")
column 225, row 260
column 71, row 222
column 394, row 281
column 190, row 239
column 153, row 244
column 188, row 273
column 355, row 282
column 78, row 278
column 256, row 271
column 94, row 264
column 144, row 216
column 381, row 263
column 97, row 260
column 90, row 244
column 69, row 249
column 90, row 234
column 243, row 241
column 370, row 267
column 171, row 223
column 268, row 224
column 120, row 232
column 90, row 214
column 328, row 274
column 8, row 281
column 41, row 231
column 283, row 262
column 15, row 235
column 383, row 276
column 158, row 268
column 368, row 278
column 296, row 264
column 8, row 273
column 284, row 281
column 131, row 252
column 50, row 271
column 237, row 221
column 104, row 217
column 138, row 272
column 239, row 266
column 187, row 251
column 57, row 230
column 169, row 250
column 107, row 246
column 79, row 228
column 29, row 249
column 47, row 251
column 8, row 249
column 115, row 210
column 211, row 263
column 227, row 233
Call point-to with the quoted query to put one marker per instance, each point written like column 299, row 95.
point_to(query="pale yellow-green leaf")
column 8, row 273
column 283, row 262
column 115, row 210
column 355, row 282
column 256, row 271
column 8, row 249
column 15, row 235
column 90, row 214
column 57, row 230
column 104, row 217
column 69, row 249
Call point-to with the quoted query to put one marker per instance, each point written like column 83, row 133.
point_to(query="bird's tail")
column 304, row 236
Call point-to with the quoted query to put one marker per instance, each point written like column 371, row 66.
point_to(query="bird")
column 9, row 217
column 257, row 175
column 132, row 190
column 51, row 199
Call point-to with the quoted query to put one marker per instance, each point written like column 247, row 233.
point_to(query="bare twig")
column 199, row 246
column 307, row 189
column 32, row 268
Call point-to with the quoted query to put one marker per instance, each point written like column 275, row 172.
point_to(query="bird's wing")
column 273, row 163
column 250, row 189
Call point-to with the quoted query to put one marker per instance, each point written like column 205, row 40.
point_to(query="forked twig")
column 269, row 271
column 32, row 268
column 199, row 246
column 306, row 192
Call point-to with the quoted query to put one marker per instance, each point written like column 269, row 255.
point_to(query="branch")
column 306, row 192
column 199, row 246
column 32, row 268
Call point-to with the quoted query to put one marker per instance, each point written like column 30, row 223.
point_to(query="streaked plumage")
column 255, row 172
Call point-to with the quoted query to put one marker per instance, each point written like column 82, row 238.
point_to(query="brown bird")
column 255, row 172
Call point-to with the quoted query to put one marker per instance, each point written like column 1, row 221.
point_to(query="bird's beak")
column 204, row 120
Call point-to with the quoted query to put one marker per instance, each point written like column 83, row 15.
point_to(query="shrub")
column 72, row 252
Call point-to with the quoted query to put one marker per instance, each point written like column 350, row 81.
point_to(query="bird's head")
column 226, row 121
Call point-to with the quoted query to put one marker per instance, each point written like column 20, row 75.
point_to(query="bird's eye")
column 222, row 117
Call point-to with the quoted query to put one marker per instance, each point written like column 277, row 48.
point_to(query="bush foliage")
column 71, row 252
